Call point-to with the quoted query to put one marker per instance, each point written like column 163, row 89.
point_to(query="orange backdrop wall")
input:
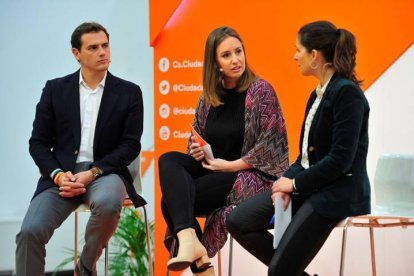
column 178, row 29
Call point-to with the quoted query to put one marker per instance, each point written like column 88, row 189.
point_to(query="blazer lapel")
column 71, row 94
column 109, row 99
column 323, row 101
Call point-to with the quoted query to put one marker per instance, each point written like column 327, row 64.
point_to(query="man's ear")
column 76, row 54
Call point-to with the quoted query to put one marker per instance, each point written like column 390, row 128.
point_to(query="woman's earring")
column 221, row 70
column 312, row 66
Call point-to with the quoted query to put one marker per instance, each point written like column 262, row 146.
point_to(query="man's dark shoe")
column 80, row 270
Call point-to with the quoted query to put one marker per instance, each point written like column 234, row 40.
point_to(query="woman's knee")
column 166, row 158
column 233, row 224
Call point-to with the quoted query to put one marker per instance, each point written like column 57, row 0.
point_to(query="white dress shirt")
column 319, row 93
column 90, row 100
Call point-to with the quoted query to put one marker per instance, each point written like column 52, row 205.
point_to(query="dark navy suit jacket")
column 56, row 134
column 336, row 181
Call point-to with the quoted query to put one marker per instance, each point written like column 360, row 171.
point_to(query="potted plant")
column 130, row 255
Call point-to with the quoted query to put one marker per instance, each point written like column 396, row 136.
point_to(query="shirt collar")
column 321, row 90
column 101, row 83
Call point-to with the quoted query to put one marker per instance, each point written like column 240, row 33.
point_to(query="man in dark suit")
column 86, row 131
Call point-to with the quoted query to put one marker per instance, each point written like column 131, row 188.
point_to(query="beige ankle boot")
column 190, row 249
column 208, row 272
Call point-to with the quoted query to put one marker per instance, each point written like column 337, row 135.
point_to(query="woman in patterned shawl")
column 239, row 116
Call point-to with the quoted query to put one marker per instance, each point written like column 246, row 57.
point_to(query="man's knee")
column 108, row 208
column 34, row 232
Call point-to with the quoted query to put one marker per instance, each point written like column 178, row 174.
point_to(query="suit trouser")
column 248, row 223
column 47, row 211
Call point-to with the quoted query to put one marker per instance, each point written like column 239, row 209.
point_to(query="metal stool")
column 394, row 191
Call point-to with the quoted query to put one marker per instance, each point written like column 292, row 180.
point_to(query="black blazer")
column 336, row 181
column 56, row 134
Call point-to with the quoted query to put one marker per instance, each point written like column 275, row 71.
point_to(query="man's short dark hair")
column 85, row 28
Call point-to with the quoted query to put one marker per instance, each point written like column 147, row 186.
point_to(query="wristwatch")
column 96, row 172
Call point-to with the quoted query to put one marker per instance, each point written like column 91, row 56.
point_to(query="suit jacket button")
column 76, row 151
column 311, row 148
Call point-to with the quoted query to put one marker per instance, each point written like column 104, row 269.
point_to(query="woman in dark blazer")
column 328, row 181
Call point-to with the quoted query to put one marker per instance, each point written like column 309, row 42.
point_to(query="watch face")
column 95, row 172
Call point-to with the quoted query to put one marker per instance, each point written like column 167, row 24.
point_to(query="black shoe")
column 195, row 269
column 80, row 270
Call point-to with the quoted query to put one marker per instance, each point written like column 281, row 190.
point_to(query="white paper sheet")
column 282, row 220
column 208, row 152
column 203, row 144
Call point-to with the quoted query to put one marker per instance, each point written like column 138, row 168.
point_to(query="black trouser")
column 189, row 190
column 248, row 224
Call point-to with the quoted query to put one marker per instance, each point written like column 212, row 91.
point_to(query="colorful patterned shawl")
column 265, row 148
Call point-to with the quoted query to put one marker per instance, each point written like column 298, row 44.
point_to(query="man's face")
column 95, row 53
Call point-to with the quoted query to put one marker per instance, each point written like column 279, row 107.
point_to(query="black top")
column 225, row 125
